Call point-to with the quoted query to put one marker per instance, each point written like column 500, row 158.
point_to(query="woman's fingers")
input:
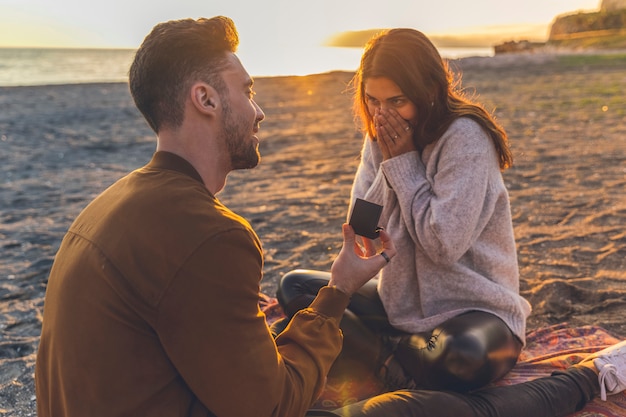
column 395, row 133
column 397, row 127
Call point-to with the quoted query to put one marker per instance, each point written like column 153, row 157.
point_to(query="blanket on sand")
column 547, row 349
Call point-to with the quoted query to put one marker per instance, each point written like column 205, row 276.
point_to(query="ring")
column 384, row 255
column 395, row 136
column 407, row 128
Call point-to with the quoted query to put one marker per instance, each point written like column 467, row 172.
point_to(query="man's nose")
column 260, row 115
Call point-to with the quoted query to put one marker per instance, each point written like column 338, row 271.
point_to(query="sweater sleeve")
column 446, row 211
column 217, row 338
column 369, row 181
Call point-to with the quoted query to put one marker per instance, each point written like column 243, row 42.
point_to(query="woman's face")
column 381, row 92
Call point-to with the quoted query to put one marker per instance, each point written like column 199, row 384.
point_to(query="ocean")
column 46, row 66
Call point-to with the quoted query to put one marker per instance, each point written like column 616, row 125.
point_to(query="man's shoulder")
column 148, row 211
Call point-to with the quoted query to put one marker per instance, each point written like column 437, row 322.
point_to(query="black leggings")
column 558, row 395
column 464, row 353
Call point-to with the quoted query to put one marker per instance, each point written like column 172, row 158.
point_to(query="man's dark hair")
column 174, row 56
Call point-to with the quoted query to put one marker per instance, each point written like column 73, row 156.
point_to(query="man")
column 152, row 302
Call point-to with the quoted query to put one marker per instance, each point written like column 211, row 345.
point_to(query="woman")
column 433, row 159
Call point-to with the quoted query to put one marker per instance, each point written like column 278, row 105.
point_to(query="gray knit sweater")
column 448, row 213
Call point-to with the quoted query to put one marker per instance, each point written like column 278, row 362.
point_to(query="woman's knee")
column 298, row 288
column 465, row 353
column 464, row 362
column 481, row 334
column 443, row 361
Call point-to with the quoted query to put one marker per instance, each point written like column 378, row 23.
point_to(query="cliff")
column 603, row 29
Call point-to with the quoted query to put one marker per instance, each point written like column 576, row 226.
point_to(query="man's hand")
column 355, row 265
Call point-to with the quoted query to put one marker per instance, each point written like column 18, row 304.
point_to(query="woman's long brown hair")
column 408, row 58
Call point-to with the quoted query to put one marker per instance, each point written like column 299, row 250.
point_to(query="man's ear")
column 204, row 98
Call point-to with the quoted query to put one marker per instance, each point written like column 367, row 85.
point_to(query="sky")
column 270, row 26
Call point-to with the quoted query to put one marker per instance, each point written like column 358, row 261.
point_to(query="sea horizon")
column 34, row 66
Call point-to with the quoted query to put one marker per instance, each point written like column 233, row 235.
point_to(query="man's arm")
column 218, row 340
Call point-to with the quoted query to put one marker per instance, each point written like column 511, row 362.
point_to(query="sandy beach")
column 62, row 145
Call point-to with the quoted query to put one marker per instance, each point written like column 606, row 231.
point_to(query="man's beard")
column 243, row 153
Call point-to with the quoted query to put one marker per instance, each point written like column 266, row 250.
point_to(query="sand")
column 62, row 145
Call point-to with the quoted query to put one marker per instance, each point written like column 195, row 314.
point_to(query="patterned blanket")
column 547, row 349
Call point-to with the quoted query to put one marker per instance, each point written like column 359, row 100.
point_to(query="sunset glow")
column 118, row 23
column 276, row 30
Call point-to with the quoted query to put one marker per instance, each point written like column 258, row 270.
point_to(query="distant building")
column 517, row 46
column 612, row 5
